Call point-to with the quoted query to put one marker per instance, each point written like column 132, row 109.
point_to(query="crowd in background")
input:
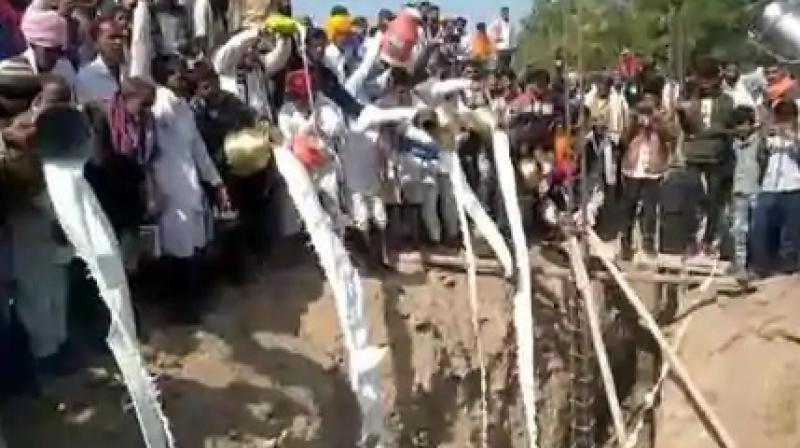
column 172, row 88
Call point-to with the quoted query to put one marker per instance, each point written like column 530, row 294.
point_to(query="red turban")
column 298, row 84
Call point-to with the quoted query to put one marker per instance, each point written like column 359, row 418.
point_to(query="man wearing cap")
column 46, row 34
column 316, row 127
column 338, row 28
column 384, row 17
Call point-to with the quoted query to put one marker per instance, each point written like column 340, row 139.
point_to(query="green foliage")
column 657, row 29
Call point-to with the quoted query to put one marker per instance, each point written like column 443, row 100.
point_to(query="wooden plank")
column 697, row 265
column 541, row 267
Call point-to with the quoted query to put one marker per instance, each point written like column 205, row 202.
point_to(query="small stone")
column 235, row 435
column 300, row 426
column 81, row 416
column 448, row 282
column 117, row 380
column 98, row 377
column 422, row 326
column 262, row 412
column 762, row 300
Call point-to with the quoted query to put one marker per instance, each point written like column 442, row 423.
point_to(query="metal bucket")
column 776, row 29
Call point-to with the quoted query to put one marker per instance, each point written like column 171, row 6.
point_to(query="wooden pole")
column 650, row 398
column 703, row 408
column 703, row 294
column 487, row 266
column 585, row 288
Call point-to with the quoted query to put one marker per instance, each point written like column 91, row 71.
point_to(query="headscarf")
column 129, row 136
column 338, row 25
column 298, row 84
column 45, row 29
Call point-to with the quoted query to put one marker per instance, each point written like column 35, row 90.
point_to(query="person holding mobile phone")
column 776, row 221
column 644, row 164
column 749, row 147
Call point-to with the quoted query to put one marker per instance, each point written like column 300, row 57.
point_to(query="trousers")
column 776, row 217
column 366, row 208
column 326, row 179
column 717, row 196
column 40, row 268
column 741, row 214
column 634, row 192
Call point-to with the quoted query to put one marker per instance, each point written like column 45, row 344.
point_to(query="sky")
column 474, row 10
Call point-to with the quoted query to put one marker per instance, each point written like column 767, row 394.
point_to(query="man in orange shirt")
column 481, row 47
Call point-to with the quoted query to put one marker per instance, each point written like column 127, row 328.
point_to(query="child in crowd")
column 748, row 146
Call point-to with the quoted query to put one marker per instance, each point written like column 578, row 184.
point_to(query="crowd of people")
column 177, row 92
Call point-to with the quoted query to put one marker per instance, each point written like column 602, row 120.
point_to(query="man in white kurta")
column 180, row 166
column 209, row 27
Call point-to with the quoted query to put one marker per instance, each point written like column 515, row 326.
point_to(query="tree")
column 653, row 28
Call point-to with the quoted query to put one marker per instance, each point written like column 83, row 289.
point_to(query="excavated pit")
column 266, row 369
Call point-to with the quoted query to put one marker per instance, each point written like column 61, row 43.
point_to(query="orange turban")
column 338, row 25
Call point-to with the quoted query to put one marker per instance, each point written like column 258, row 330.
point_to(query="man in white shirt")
column 777, row 211
column 734, row 86
column 208, row 26
column 503, row 33
column 100, row 79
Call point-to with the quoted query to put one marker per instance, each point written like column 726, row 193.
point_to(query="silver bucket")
column 776, row 29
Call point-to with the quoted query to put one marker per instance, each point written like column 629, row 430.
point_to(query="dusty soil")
column 745, row 356
column 265, row 370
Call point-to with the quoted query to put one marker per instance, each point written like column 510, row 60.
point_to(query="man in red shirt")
column 629, row 65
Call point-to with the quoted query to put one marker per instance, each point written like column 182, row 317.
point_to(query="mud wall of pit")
column 431, row 375
column 573, row 411
column 266, row 369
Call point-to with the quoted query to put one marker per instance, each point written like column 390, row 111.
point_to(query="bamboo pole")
column 706, row 413
column 585, row 288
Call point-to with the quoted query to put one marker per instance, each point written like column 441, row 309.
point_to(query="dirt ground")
column 265, row 370
column 745, row 356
